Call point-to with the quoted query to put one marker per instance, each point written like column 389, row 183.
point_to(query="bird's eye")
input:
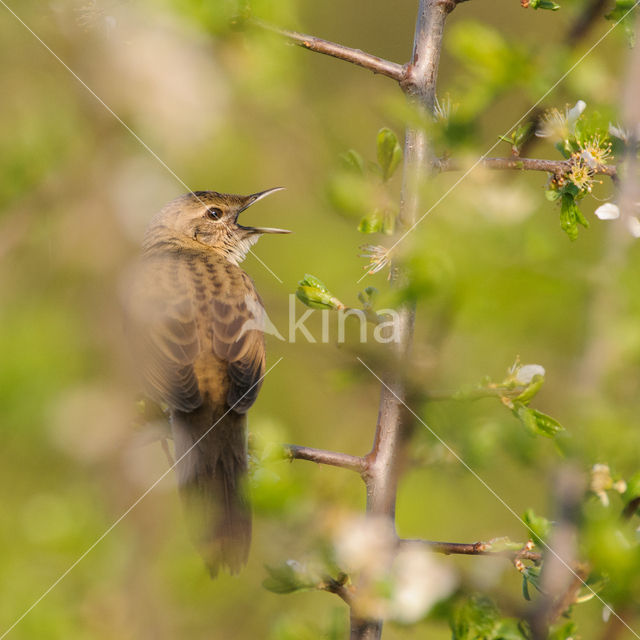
column 213, row 213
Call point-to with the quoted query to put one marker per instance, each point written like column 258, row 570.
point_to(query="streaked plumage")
column 201, row 351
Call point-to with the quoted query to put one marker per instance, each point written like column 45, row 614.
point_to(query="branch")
column 339, row 587
column 355, row 56
column 558, row 167
column 563, row 602
column 384, row 462
column 321, row 456
column 476, row 549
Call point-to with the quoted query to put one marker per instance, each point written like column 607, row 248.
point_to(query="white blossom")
column 526, row 373
column 420, row 581
column 364, row 542
column 633, row 224
column 608, row 211
column 575, row 112
column 555, row 124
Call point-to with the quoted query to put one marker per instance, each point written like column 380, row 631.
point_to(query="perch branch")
column 557, row 167
column 321, row 456
column 338, row 587
column 384, row 462
column 355, row 56
column 475, row 549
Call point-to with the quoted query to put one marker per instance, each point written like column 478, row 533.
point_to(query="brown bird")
column 195, row 322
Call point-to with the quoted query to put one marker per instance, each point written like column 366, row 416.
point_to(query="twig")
column 557, row 167
column 339, row 587
column 475, row 549
column 355, row 56
column 322, row 456
column 561, row 604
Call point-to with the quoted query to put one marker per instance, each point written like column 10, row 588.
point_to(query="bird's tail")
column 212, row 482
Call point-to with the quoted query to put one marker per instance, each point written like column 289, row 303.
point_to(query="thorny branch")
column 516, row 163
column 321, row 456
column 476, row 549
column 355, row 56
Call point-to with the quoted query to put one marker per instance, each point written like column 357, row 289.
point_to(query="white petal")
column 528, row 372
column 576, row 111
column 618, row 132
column 589, row 159
column 608, row 211
column 633, row 225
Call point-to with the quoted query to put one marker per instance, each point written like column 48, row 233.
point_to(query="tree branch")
column 475, row 549
column 384, row 462
column 338, row 587
column 355, row 56
column 321, row 456
column 558, row 167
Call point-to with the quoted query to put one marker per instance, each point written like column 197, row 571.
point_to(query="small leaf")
column 372, row 222
column 287, row 578
column 378, row 222
column 570, row 215
column 525, row 589
column 389, row 152
column 522, row 134
column 314, row 293
column 532, row 575
column 352, row 160
column 477, row 617
column 545, row 424
column 563, row 630
column 623, row 10
column 536, row 422
column 538, row 526
column 633, row 487
column 544, row 4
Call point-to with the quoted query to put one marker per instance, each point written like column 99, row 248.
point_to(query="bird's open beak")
column 252, row 199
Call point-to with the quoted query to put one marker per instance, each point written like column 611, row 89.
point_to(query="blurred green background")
column 236, row 110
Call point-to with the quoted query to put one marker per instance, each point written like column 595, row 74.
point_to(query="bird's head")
column 211, row 218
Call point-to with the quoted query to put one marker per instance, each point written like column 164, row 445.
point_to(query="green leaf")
column 633, row 487
column 378, row 222
column 545, row 424
column 544, row 4
column 571, row 216
column 563, row 630
column 531, row 576
column 623, row 10
column 477, row 617
column 525, row 589
column 538, row 526
column 389, row 152
column 287, row 578
column 314, row 293
column 536, row 422
column 531, row 390
column 353, row 161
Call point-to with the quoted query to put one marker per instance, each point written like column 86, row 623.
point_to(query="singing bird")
column 195, row 325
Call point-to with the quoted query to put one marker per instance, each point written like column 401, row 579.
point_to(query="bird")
column 193, row 317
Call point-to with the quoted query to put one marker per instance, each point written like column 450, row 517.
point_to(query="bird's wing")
column 164, row 336
column 184, row 304
column 238, row 338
